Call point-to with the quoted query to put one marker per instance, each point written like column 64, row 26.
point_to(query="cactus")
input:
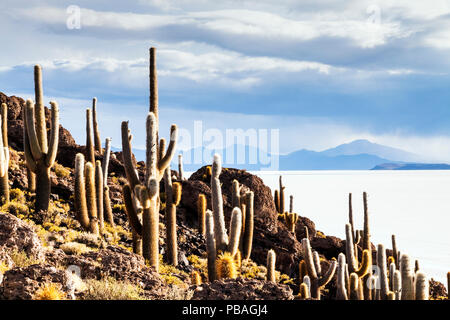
column 317, row 279
column 395, row 251
column 4, row 155
column 276, row 199
column 304, row 291
column 90, row 154
column 235, row 231
column 366, row 245
column 226, row 267
column 85, row 194
column 291, row 203
column 354, row 282
column 249, row 222
column 341, row 293
column 353, row 267
column 217, row 204
column 291, row 219
column 238, row 259
column 235, row 194
column 302, row 270
column 196, row 279
column 99, row 194
column 421, row 286
column 407, row 278
column 397, row 284
column 271, row 257
column 201, row 210
column 382, row 272
column 416, row 266
column 173, row 197
column 180, row 168
column 146, row 194
column 39, row 154
column 211, row 246
column 106, row 198
column 281, row 195
column 97, row 140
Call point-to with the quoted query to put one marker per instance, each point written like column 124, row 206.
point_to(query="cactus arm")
column 31, row 131
column 39, row 110
column 164, row 162
column 31, row 164
column 4, row 114
column 180, row 167
column 217, row 203
column 54, row 135
column 105, row 162
column 97, row 141
column 316, row 260
column 326, row 278
column 309, row 259
column 366, row 263
column 350, row 249
column 350, row 215
column 90, row 154
column 130, row 170
column 131, row 211
column 153, row 83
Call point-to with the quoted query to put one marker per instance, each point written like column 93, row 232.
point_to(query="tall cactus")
column 291, row 203
column 39, row 154
column 85, row 194
column 90, row 153
column 407, row 278
column 281, row 195
column 201, row 211
column 217, row 204
column 366, row 245
column 4, row 155
column 395, row 252
column 235, row 231
column 249, row 225
column 341, row 293
column 350, row 216
column 180, row 168
column 318, row 280
column 173, row 197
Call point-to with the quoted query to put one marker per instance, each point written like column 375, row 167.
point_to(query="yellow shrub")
column 61, row 171
column 74, row 248
column 50, row 291
column 111, row 289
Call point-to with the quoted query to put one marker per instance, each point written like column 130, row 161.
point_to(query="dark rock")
column 17, row 236
column 329, row 246
column 22, row 283
column 242, row 289
column 437, row 290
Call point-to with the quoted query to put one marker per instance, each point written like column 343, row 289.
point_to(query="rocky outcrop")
column 18, row 236
column 23, row 283
column 242, row 289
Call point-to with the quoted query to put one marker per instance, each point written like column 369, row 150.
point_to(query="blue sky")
column 323, row 72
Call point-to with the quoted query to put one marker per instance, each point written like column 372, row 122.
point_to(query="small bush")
column 111, row 289
column 61, row 171
column 89, row 239
column 74, row 248
column 22, row 260
column 50, row 291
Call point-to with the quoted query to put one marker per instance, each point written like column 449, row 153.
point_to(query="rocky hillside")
column 47, row 255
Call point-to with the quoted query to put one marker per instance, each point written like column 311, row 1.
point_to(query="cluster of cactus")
column 142, row 199
column 393, row 279
column 222, row 248
column 92, row 200
column 40, row 153
column 289, row 218
column 315, row 277
column 4, row 155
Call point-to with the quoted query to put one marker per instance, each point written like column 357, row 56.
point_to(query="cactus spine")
column 4, row 155
column 97, row 141
column 407, row 278
column 226, row 266
column 271, row 257
column 317, row 279
column 217, row 204
column 39, row 154
column 173, row 197
column 421, row 286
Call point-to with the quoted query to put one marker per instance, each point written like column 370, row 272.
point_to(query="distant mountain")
column 366, row 147
column 412, row 166
column 356, row 155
